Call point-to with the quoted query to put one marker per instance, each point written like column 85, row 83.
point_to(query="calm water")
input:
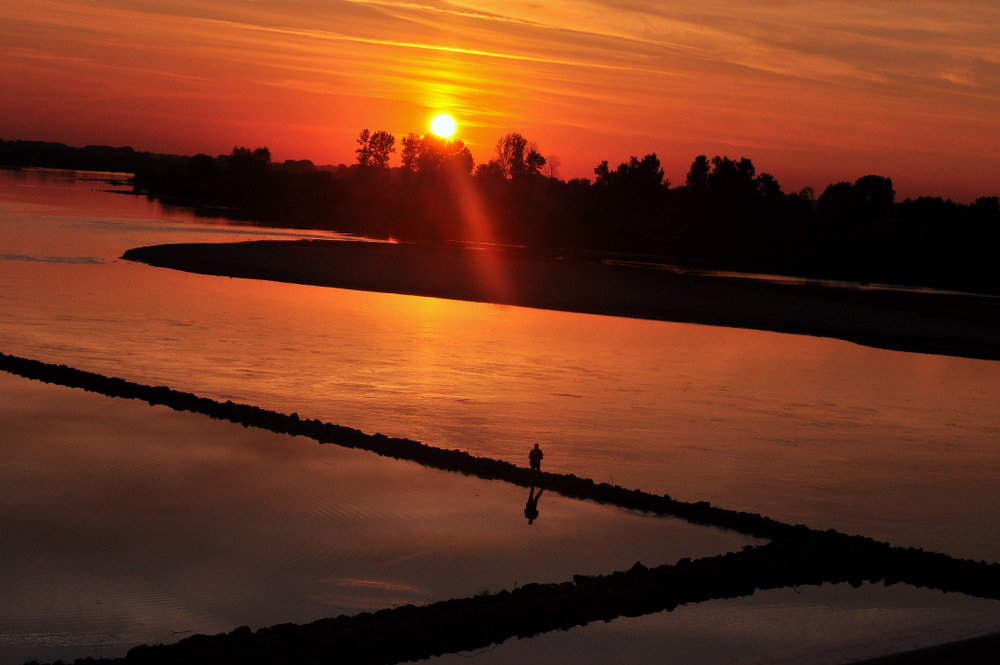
column 898, row 446
column 125, row 523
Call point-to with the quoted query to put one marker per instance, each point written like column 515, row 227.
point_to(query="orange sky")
column 813, row 91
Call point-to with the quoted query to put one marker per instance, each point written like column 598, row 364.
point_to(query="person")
column 535, row 458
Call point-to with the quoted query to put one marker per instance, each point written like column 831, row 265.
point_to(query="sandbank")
column 963, row 325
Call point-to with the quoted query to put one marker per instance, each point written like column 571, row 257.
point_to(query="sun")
column 443, row 125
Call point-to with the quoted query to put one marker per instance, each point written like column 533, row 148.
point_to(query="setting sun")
column 443, row 125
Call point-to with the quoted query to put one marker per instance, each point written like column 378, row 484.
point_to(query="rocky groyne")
column 410, row 633
column 398, row 448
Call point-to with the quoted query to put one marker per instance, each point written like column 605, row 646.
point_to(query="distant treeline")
column 725, row 215
column 60, row 156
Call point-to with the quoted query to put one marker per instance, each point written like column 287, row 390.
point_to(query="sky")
column 813, row 91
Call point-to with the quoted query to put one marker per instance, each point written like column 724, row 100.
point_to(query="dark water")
column 126, row 523
column 131, row 522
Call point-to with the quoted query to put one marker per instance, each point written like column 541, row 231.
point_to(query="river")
column 101, row 494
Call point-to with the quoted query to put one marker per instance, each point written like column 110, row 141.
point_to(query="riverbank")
column 947, row 324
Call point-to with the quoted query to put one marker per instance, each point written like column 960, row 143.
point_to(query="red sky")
column 813, row 91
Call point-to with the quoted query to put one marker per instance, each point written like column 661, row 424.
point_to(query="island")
column 916, row 320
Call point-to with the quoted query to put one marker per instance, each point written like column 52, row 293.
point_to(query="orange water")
column 898, row 446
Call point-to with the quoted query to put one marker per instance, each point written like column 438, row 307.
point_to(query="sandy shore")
column 958, row 325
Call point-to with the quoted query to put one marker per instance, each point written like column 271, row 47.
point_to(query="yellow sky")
column 812, row 91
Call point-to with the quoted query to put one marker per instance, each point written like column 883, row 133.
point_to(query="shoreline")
column 947, row 324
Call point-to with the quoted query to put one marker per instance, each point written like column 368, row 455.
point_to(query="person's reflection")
column 531, row 508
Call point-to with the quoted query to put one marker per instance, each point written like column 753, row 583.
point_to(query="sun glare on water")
column 443, row 125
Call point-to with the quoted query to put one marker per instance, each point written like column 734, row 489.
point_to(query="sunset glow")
column 813, row 92
column 443, row 125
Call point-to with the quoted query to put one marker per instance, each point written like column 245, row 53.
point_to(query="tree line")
column 725, row 215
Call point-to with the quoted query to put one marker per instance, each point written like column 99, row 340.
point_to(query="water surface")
column 125, row 523
column 898, row 446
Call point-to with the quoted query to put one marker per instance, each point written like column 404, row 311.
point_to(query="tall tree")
column 697, row 177
column 873, row 197
column 410, row 151
column 510, row 154
column 604, row 174
column 534, row 162
column 515, row 156
column 644, row 174
column 634, row 176
column 364, row 150
column 869, row 199
column 768, row 187
column 374, row 149
column 244, row 160
column 431, row 154
column 836, row 200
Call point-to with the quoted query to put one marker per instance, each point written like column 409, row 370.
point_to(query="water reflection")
column 832, row 623
column 531, row 507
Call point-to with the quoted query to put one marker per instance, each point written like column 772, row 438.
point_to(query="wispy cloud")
column 444, row 9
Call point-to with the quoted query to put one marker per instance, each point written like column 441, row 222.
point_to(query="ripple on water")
column 368, row 594
column 79, row 260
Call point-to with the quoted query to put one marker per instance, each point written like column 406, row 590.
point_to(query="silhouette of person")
column 535, row 458
column 531, row 508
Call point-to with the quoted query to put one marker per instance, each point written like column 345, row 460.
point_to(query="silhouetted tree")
column 726, row 189
column 634, row 178
column 924, row 213
column 604, row 174
column 837, row 200
column 643, row 175
column 298, row 165
column 697, row 177
column 510, row 154
column 241, row 154
column 988, row 205
column 625, row 209
column 869, row 199
column 732, row 179
column 551, row 166
column 515, row 157
column 491, row 170
column 431, row 154
column 410, row 151
column 202, row 177
column 364, row 151
column 202, row 166
column 873, row 197
column 244, row 159
column 768, row 187
column 374, row 149
column 534, row 162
